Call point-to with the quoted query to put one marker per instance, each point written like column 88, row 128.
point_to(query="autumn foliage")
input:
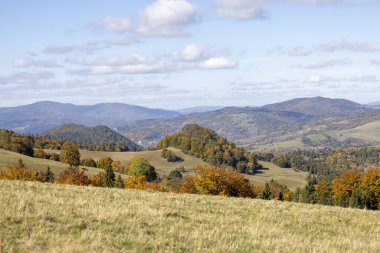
column 73, row 175
column 217, row 181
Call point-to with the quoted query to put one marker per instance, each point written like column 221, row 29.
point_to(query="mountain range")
column 253, row 126
column 247, row 126
column 41, row 116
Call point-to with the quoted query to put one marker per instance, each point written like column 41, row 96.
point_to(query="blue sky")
column 182, row 53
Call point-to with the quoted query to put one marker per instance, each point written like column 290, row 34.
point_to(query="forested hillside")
column 212, row 148
column 254, row 127
column 93, row 138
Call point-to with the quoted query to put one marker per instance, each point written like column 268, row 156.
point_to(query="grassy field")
column 368, row 132
column 11, row 158
column 162, row 166
column 288, row 177
column 36, row 217
column 283, row 146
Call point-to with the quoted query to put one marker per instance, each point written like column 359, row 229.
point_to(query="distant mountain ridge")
column 199, row 109
column 318, row 106
column 41, row 116
column 93, row 136
column 249, row 126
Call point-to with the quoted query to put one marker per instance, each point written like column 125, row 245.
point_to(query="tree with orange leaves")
column 343, row 187
column 73, row 175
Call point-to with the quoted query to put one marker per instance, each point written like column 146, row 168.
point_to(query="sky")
column 182, row 53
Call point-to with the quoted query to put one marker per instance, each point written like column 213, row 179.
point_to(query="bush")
column 136, row 182
column 54, row 157
column 98, row 180
column 17, row 173
column 218, row 181
column 40, row 153
column 88, row 162
column 104, row 162
column 139, row 166
column 73, row 175
column 70, row 154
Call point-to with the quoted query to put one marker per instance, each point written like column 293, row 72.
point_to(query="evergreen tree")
column 119, row 183
column 267, row 192
column 281, row 196
column 110, row 177
column 308, row 192
column 49, row 175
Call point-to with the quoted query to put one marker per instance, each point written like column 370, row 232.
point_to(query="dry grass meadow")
column 36, row 217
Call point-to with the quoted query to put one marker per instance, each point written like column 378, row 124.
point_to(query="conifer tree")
column 110, row 177
column 49, row 175
column 308, row 192
column 119, row 183
column 267, row 192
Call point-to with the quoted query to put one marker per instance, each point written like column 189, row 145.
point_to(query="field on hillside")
column 368, row 132
column 162, row 166
column 289, row 177
column 279, row 147
column 11, row 158
column 36, row 217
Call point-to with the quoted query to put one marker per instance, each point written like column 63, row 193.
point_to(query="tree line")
column 25, row 143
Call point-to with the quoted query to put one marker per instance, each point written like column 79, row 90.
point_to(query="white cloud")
column 134, row 64
column 331, row 47
column 32, row 77
column 117, row 25
column 322, row 79
column 27, row 63
column 192, row 52
column 316, row 2
column 162, row 18
column 218, row 63
column 239, row 9
column 327, row 64
column 345, row 45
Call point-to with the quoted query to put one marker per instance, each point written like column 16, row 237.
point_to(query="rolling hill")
column 252, row 127
column 94, row 136
column 41, row 116
column 319, row 107
column 38, row 217
column 288, row 177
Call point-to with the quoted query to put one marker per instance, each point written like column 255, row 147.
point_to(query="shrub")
column 88, row 162
column 73, row 175
column 17, row 173
column 136, row 182
column 217, row 181
column 40, row 153
column 104, row 162
column 98, row 180
column 54, row 157
column 139, row 166
column 70, row 154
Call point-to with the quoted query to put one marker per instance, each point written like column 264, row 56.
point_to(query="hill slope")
column 257, row 126
column 94, row 136
column 319, row 106
column 41, row 116
column 39, row 217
